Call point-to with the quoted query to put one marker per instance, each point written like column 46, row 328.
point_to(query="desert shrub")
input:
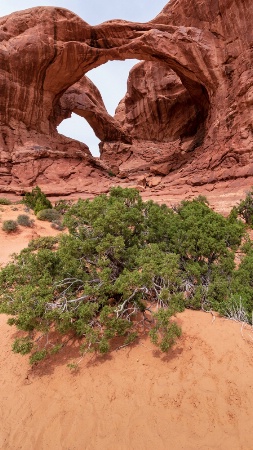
column 36, row 200
column 5, row 201
column 122, row 260
column 46, row 242
column 242, row 282
column 9, row 226
column 207, row 241
column 62, row 206
column 245, row 209
column 24, row 220
column 38, row 356
column 50, row 215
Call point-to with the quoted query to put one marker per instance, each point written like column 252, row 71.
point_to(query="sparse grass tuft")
column 25, row 220
column 5, row 201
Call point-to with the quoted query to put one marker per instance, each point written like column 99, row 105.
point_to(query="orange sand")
column 14, row 242
column 198, row 397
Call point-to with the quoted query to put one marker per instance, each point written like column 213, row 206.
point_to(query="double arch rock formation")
column 187, row 113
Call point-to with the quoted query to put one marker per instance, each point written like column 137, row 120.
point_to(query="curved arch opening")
column 75, row 127
column 111, row 81
column 194, row 85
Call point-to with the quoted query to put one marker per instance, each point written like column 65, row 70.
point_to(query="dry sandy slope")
column 198, row 397
column 14, row 242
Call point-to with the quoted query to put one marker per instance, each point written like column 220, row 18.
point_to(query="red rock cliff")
column 187, row 114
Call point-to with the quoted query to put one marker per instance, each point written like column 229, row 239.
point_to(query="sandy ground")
column 14, row 242
column 198, row 397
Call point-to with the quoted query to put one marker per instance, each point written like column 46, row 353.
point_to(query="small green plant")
column 37, row 200
column 55, row 349
column 38, row 356
column 165, row 332
column 245, row 209
column 22, row 345
column 50, row 215
column 5, row 201
column 111, row 174
column 9, row 226
column 73, row 367
column 25, row 220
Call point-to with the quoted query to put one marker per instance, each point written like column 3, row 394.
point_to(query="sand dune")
column 200, row 396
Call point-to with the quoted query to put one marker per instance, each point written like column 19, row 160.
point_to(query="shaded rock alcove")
column 187, row 113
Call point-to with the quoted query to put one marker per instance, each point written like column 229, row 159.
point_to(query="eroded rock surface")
column 186, row 119
column 157, row 107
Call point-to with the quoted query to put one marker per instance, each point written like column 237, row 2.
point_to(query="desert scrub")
column 125, row 267
column 5, row 201
column 45, row 242
column 36, row 200
column 25, row 220
column 50, row 215
column 245, row 209
column 9, row 226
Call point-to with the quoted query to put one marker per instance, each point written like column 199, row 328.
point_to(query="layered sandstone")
column 156, row 107
column 186, row 117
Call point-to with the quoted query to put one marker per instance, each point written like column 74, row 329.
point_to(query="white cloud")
column 111, row 77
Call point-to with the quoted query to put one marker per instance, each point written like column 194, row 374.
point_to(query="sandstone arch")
column 45, row 51
column 84, row 99
column 61, row 48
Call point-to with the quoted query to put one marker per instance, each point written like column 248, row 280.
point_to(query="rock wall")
column 156, row 107
column 186, row 117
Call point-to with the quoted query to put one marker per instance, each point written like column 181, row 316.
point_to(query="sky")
column 110, row 78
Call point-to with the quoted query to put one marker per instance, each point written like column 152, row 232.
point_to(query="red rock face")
column 157, row 107
column 186, row 118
